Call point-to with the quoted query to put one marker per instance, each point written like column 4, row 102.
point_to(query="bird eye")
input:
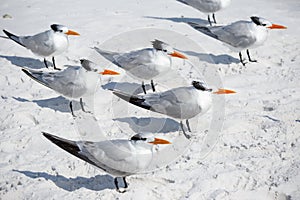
column 164, row 50
column 264, row 24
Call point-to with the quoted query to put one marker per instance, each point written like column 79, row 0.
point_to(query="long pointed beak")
column 178, row 55
column 109, row 72
column 224, row 91
column 160, row 141
column 276, row 26
column 70, row 32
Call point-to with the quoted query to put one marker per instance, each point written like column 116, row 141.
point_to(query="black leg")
column 208, row 18
column 250, row 60
column 144, row 88
column 117, row 186
column 241, row 59
column 53, row 61
column 188, row 125
column 187, row 136
column 214, row 18
column 71, row 107
column 82, row 107
column 81, row 104
column 45, row 61
column 153, row 87
column 125, row 183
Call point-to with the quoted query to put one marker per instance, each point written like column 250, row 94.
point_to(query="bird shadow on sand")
column 213, row 59
column 199, row 21
column 129, row 88
column 25, row 62
column 57, row 103
column 96, row 183
column 150, row 124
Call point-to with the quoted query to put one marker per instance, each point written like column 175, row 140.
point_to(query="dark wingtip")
column 8, row 33
column 47, row 135
column 26, row 72
column 135, row 100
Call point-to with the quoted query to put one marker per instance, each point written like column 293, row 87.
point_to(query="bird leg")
column 153, row 87
column 144, row 88
column 117, row 186
column 125, row 183
column 214, row 18
column 241, row 59
column 45, row 61
column 250, row 60
column 53, row 60
column 71, row 107
column 208, row 18
column 187, row 136
column 82, row 107
column 188, row 125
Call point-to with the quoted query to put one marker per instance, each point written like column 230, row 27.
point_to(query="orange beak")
column 160, row 141
column 178, row 55
column 70, row 32
column 109, row 72
column 224, row 91
column 276, row 26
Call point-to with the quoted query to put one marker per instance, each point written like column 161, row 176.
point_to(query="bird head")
column 259, row 21
column 164, row 47
column 149, row 138
column 200, row 86
column 90, row 66
column 62, row 29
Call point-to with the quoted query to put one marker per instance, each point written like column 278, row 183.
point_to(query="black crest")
column 256, row 20
column 158, row 45
column 199, row 86
column 137, row 137
column 54, row 27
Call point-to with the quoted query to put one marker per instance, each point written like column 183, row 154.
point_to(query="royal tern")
column 180, row 103
column 46, row 44
column 241, row 35
column 119, row 157
column 73, row 82
column 145, row 63
column 207, row 6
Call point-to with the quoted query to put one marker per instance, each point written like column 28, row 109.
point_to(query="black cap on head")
column 54, row 27
column 199, row 86
column 256, row 20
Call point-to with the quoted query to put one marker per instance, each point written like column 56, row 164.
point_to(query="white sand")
column 258, row 151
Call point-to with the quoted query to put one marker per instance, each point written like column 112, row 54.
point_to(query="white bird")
column 241, row 35
column 180, row 103
column 119, row 157
column 145, row 63
column 46, row 44
column 207, row 6
column 73, row 82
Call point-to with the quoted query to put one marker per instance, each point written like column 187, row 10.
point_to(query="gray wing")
column 109, row 55
column 236, row 34
column 113, row 156
column 41, row 43
column 129, row 60
column 177, row 103
column 203, row 29
column 67, row 82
